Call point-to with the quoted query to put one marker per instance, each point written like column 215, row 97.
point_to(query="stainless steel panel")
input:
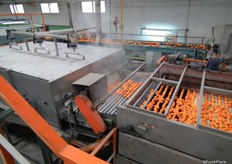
column 4, row 73
column 38, row 94
column 114, row 60
column 95, row 83
column 147, row 152
column 10, row 59
column 89, row 79
column 14, row 58
column 45, row 79
column 63, row 85
column 188, row 139
column 51, row 67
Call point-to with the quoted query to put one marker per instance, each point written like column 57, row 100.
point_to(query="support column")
column 121, row 19
column 98, row 21
column 69, row 15
column 151, row 58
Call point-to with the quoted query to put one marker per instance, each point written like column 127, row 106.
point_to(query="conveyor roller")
column 122, row 94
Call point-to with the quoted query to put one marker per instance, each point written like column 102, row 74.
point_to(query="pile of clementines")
column 216, row 109
column 184, row 108
column 112, row 86
column 217, row 112
column 128, row 88
column 160, row 100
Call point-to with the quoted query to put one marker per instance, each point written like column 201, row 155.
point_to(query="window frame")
column 14, row 8
column 93, row 7
column 49, row 8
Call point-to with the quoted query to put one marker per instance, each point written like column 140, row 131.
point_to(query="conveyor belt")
column 122, row 94
column 145, row 43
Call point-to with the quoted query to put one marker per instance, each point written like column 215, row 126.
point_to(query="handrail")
column 14, row 45
column 47, row 51
column 74, row 53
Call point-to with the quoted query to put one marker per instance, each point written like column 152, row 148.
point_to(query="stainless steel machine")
column 176, row 114
column 175, row 117
column 44, row 79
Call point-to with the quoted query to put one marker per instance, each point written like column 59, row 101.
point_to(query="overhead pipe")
column 52, row 33
column 40, row 35
column 65, row 31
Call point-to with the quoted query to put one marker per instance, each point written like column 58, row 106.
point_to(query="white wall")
column 50, row 19
column 207, row 14
column 203, row 15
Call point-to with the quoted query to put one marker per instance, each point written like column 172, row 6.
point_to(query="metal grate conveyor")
column 122, row 93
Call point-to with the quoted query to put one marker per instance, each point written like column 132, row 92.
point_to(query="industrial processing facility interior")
column 115, row 81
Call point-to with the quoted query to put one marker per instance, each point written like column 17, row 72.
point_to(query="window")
column 54, row 8
column 89, row 7
column 103, row 7
column 49, row 7
column 17, row 8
